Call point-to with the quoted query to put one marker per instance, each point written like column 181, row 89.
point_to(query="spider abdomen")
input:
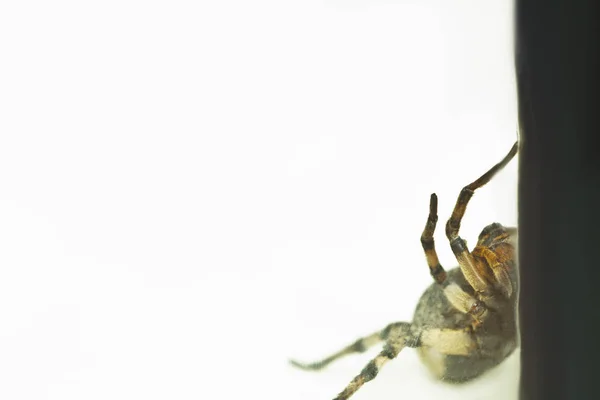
column 493, row 341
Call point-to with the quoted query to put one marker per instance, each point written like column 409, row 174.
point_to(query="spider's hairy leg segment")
column 359, row 346
column 453, row 224
column 499, row 270
column 496, row 249
column 399, row 338
column 465, row 259
column 371, row 369
column 468, row 265
column 464, row 302
column 460, row 299
column 435, row 268
column 485, row 178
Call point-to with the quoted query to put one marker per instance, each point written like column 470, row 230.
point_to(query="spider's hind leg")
column 399, row 336
column 359, row 346
column 438, row 341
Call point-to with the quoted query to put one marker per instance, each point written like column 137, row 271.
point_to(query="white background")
column 192, row 192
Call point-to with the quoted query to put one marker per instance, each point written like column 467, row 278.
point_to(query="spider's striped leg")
column 435, row 268
column 399, row 337
column 359, row 346
column 467, row 262
column 443, row 341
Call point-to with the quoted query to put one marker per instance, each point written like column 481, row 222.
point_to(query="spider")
column 465, row 322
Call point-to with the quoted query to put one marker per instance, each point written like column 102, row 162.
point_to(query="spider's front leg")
column 471, row 269
column 435, row 268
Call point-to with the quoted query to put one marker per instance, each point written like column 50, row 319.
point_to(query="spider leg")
column 359, row 346
column 500, row 272
column 444, row 341
column 465, row 303
column 435, row 268
column 399, row 337
column 496, row 246
column 459, row 246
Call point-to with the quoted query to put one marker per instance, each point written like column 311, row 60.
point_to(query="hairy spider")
column 464, row 323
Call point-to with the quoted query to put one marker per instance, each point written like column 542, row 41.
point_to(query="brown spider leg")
column 496, row 246
column 459, row 247
column 435, row 268
column 500, row 273
column 359, row 346
column 399, row 337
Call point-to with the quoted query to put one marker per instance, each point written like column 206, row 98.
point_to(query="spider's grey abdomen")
column 495, row 341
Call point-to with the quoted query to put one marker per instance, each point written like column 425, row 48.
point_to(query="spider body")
column 495, row 338
column 464, row 323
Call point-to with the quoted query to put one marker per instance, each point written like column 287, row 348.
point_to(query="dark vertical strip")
column 558, row 69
